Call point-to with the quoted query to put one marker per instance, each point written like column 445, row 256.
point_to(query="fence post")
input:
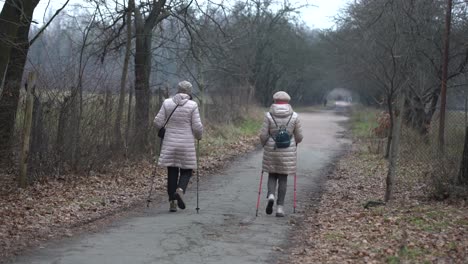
column 23, row 175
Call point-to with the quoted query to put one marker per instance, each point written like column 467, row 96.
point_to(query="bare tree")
column 123, row 80
column 19, row 48
column 15, row 20
column 143, row 39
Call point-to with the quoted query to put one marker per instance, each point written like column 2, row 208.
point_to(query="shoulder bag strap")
column 276, row 124
column 167, row 120
column 289, row 119
column 269, row 135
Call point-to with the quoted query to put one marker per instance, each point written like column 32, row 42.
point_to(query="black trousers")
column 174, row 181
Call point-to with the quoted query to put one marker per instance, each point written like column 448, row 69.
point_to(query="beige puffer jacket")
column 178, row 148
column 276, row 160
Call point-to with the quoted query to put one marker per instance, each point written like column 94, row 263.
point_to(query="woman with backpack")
column 280, row 134
column 179, row 124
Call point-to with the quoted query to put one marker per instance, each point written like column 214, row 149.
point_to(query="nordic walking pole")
column 295, row 184
column 198, row 176
column 148, row 200
column 259, row 193
column 295, row 180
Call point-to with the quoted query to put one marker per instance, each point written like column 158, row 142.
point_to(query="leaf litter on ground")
column 409, row 229
column 53, row 208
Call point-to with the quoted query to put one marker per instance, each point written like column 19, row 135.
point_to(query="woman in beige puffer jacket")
column 279, row 162
column 178, row 151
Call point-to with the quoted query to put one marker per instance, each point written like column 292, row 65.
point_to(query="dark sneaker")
column 173, row 206
column 179, row 195
column 271, row 201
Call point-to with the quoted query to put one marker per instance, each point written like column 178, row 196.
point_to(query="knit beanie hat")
column 281, row 96
column 184, row 87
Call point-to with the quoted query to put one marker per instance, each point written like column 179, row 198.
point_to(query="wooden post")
column 129, row 119
column 23, row 175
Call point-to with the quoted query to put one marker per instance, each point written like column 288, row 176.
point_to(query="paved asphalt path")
column 225, row 231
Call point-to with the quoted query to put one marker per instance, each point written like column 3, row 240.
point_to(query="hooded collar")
column 181, row 98
column 281, row 110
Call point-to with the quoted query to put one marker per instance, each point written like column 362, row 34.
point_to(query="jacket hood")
column 181, row 98
column 281, row 110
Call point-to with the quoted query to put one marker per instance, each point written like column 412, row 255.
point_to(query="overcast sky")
column 318, row 15
column 321, row 12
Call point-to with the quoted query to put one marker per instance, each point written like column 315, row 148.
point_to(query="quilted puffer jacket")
column 276, row 160
column 178, row 148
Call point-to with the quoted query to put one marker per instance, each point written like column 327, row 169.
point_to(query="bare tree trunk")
column 74, row 129
column 23, row 175
column 395, row 148
column 123, row 80
column 107, row 114
column 390, row 132
column 61, row 132
column 443, row 93
column 201, row 86
column 129, row 118
column 143, row 35
column 9, row 102
column 463, row 174
column 10, row 21
column 13, row 74
column 160, row 97
column 78, row 105
column 142, row 70
column 251, row 93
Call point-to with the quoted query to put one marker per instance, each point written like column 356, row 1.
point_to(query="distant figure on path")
column 280, row 134
column 178, row 151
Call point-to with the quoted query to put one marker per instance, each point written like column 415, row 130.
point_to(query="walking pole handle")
column 198, row 175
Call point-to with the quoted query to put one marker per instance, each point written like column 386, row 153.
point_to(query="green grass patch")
column 462, row 222
column 363, row 121
column 250, row 126
column 407, row 254
column 429, row 224
column 393, row 260
column 220, row 135
column 412, row 253
column 334, row 236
